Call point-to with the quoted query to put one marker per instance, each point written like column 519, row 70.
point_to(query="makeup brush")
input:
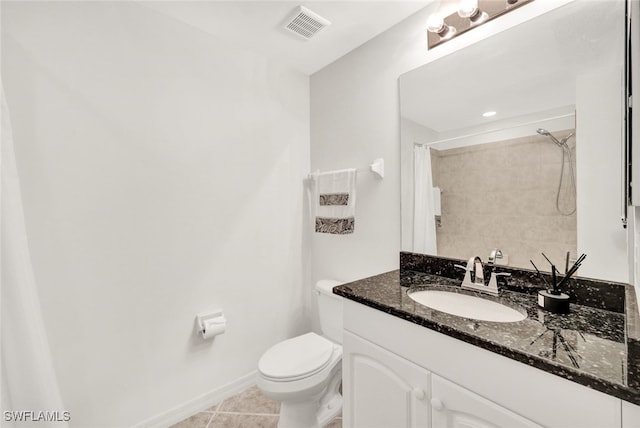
column 539, row 274
column 554, row 279
column 573, row 269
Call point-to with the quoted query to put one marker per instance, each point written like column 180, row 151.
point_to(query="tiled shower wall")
column 503, row 195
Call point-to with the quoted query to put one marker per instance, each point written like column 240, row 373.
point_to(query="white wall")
column 355, row 119
column 162, row 176
column 599, row 129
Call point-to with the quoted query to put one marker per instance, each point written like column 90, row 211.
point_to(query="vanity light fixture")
column 488, row 113
column 470, row 14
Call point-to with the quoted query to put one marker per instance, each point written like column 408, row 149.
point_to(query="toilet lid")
column 296, row 358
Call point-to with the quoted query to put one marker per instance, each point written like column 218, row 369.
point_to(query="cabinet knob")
column 418, row 393
column 437, row 404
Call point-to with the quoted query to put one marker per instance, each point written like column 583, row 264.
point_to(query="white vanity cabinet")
column 382, row 390
column 398, row 374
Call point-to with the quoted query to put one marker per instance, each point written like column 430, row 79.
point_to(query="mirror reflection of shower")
column 564, row 147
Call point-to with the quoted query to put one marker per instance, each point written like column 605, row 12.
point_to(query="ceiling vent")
column 305, row 23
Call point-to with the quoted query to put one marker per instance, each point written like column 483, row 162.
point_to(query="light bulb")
column 467, row 8
column 435, row 23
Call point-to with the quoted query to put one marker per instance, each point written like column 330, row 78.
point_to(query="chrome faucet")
column 474, row 277
column 494, row 256
column 475, row 270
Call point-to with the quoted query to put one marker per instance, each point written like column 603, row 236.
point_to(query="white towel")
column 437, row 201
column 335, row 201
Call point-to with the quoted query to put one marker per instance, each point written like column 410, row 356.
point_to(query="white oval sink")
column 464, row 305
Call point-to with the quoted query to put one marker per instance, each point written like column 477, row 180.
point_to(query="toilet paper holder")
column 211, row 324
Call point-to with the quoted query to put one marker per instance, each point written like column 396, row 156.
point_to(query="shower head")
column 548, row 134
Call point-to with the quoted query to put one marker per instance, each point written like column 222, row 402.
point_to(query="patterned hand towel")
column 335, row 201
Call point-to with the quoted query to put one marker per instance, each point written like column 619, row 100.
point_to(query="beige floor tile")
column 232, row 420
column 213, row 408
column 250, row 401
column 248, row 409
column 336, row 423
column 199, row 420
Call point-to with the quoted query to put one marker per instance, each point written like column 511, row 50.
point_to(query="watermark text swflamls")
column 36, row 416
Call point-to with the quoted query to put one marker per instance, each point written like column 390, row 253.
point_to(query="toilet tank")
column 329, row 310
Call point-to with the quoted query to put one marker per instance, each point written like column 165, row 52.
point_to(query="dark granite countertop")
column 594, row 346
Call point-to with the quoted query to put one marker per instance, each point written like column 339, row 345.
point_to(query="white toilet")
column 304, row 373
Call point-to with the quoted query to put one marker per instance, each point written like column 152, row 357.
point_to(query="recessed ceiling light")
column 489, row 113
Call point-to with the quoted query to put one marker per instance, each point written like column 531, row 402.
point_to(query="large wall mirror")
column 544, row 172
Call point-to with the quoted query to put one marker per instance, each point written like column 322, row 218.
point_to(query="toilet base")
column 315, row 412
column 331, row 402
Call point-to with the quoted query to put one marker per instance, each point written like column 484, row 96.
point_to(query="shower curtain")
column 29, row 386
column 424, row 222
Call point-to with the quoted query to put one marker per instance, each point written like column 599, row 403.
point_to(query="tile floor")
column 249, row 409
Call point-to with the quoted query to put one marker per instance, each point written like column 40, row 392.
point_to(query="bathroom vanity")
column 406, row 365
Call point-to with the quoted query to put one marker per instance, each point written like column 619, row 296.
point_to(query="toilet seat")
column 296, row 358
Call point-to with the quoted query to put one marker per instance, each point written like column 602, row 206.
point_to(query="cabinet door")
column 457, row 407
column 381, row 389
column 630, row 415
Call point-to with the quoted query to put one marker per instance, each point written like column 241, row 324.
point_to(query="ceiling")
column 257, row 25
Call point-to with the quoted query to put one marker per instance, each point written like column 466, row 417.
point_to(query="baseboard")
column 199, row 404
